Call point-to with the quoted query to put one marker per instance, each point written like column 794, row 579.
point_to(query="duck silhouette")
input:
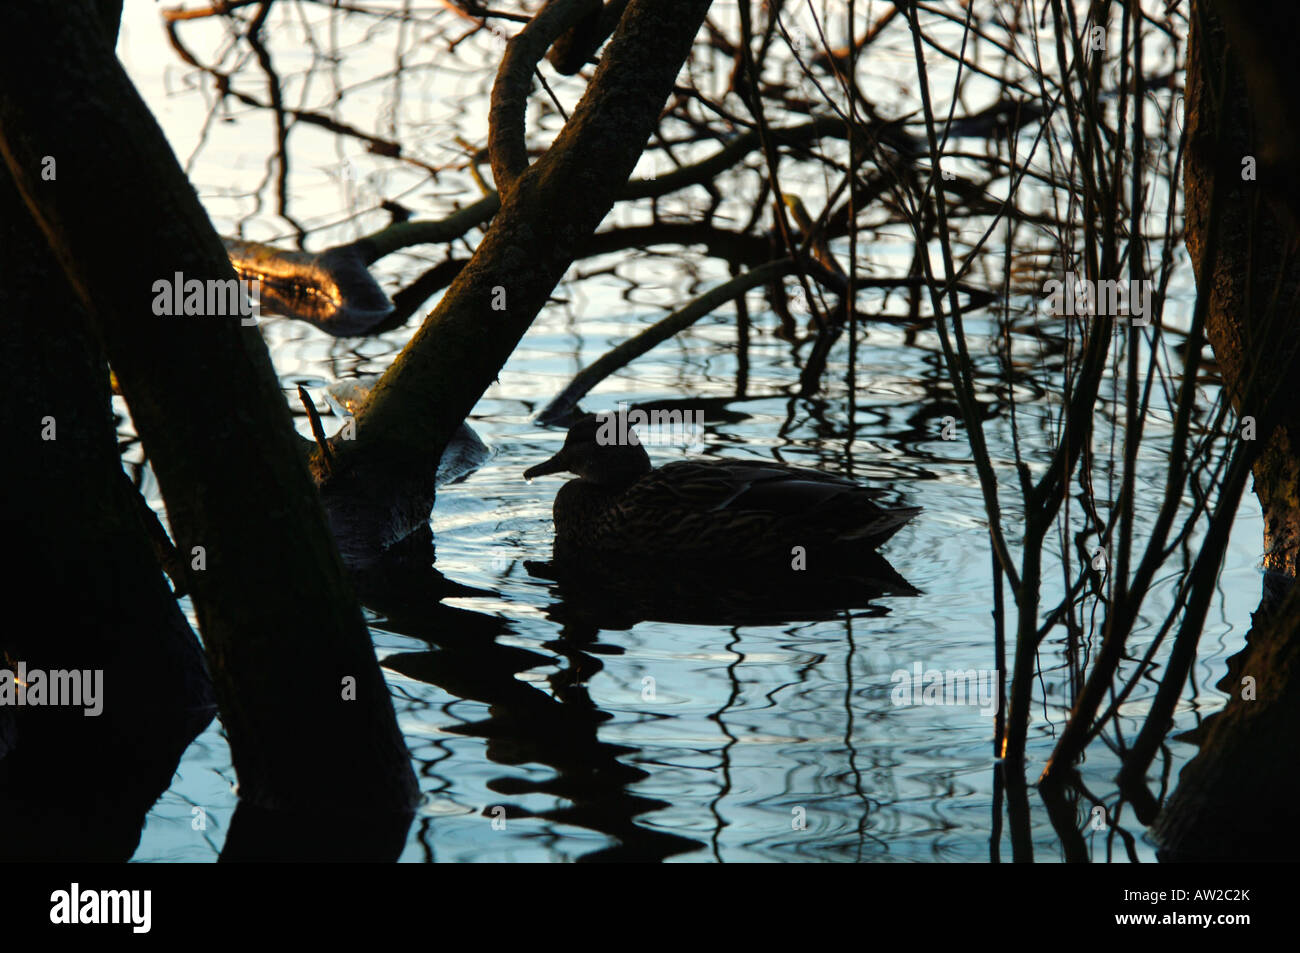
column 733, row 512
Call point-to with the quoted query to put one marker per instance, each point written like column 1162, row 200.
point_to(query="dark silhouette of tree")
column 1236, row 798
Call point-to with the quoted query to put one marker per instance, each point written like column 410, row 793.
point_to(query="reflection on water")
column 629, row 717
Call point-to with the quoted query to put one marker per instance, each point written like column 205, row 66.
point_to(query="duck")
column 722, row 512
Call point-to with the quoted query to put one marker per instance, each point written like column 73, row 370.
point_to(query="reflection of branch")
column 470, row 10
column 404, row 234
column 254, row 37
column 702, row 172
column 525, row 724
column 223, row 7
column 657, row 333
column 219, row 7
column 374, row 144
column 736, row 248
column 733, row 247
column 839, row 59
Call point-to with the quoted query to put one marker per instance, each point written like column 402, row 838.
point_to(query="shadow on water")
column 617, row 594
column 525, row 724
column 560, row 728
column 79, row 774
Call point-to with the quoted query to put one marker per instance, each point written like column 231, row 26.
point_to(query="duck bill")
column 557, row 464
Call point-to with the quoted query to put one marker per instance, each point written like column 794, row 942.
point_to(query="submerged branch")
column 564, row 404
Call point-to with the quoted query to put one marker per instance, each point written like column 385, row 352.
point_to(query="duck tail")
column 882, row 525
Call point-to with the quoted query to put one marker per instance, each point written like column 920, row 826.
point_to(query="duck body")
column 727, row 511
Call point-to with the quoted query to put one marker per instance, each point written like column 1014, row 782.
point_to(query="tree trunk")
column 84, row 592
column 1255, row 283
column 287, row 646
column 1236, row 798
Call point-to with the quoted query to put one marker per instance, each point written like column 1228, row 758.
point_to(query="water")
column 758, row 742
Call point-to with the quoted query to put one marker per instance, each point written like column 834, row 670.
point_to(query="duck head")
column 600, row 448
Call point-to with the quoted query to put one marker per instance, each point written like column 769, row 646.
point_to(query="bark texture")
column 1235, row 799
column 1254, row 287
